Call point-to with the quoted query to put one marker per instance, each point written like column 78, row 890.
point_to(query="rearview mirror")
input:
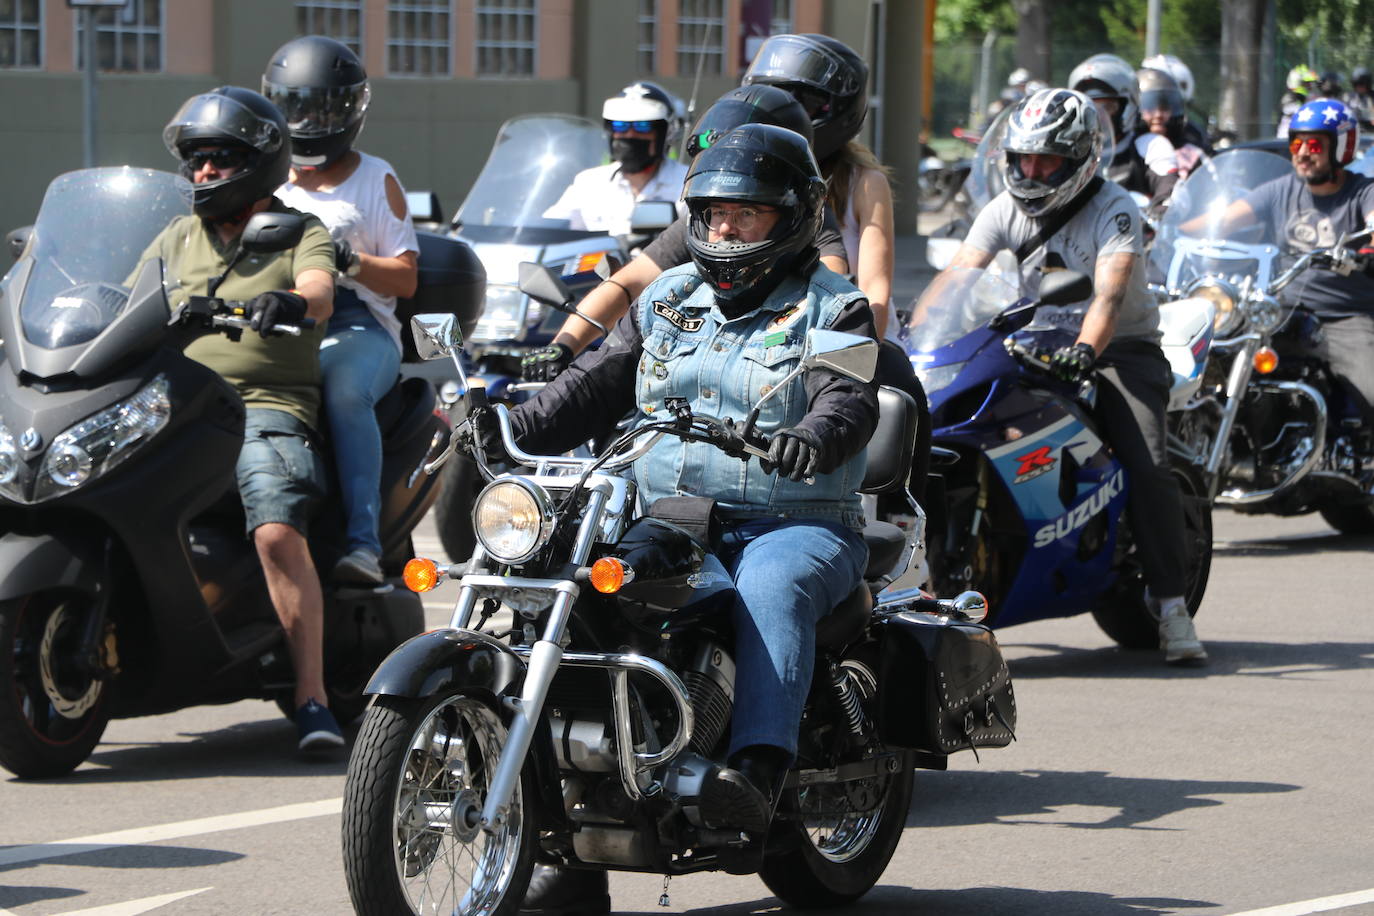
column 17, row 240
column 651, row 216
column 1065, row 287
column 424, row 207
column 267, row 232
column 436, row 334
column 543, row 285
column 851, row 355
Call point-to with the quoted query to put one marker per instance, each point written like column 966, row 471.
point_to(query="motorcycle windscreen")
column 91, row 233
column 533, row 161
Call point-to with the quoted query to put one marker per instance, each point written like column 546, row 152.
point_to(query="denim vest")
column 723, row 367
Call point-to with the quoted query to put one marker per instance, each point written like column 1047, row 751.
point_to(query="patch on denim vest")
column 665, row 310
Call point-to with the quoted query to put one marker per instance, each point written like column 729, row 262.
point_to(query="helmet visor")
column 793, row 59
column 218, row 117
column 1167, row 100
column 317, row 111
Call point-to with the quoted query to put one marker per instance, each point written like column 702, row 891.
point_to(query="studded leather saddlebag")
column 943, row 685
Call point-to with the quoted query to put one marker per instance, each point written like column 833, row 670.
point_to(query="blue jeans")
column 789, row 573
column 359, row 363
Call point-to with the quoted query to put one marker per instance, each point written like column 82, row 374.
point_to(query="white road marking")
column 135, row 907
column 1316, row 905
column 140, row 835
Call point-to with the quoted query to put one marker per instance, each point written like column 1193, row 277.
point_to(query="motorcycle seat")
column 846, row 622
column 885, row 542
column 402, row 411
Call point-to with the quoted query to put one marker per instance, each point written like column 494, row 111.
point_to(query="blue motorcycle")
column 1033, row 509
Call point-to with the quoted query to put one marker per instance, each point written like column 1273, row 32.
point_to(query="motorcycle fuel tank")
column 677, row 580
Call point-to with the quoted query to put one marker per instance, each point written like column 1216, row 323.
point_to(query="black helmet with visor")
column 236, row 120
column 825, row 75
column 755, row 164
column 321, row 87
column 757, row 104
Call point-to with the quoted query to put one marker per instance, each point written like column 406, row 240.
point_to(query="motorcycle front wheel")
column 52, row 709
column 412, row 835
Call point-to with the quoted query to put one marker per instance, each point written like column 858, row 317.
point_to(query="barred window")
column 507, row 39
column 419, row 37
column 648, row 36
column 341, row 20
column 21, row 34
column 781, row 23
column 701, row 37
column 128, row 39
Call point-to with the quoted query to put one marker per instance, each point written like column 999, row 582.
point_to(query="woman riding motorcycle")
column 719, row 333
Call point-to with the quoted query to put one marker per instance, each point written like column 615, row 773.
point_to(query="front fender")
column 39, row 562
column 432, row 662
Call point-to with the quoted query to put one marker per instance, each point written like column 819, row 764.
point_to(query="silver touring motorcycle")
column 582, row 693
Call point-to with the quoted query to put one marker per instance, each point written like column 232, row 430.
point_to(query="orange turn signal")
column 589, row 261
column 608, row 574
column 1265, row 360
column 421, row 575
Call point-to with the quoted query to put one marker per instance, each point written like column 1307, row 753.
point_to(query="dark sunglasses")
column 621, row 127
column 219, row 158
column 1315, row 145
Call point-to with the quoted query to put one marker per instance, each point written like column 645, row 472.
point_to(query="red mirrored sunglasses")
column 1315, row 145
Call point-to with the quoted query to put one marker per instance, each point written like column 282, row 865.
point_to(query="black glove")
column 483, row 430
column 280, row 306
column 793, row 453
column 1072, row 364
column 546, row 363
column 346, row 260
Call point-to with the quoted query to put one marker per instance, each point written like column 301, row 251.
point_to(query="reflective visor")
column 793, row 59
column 1162, row 100
column 317, row 112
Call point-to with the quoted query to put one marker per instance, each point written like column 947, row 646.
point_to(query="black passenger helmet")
column 763, row 164
column 231, row 116
column 825, row 75
column 321, row 87
column 757, row 104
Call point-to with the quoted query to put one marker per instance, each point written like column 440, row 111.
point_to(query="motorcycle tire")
column 459, row 483
column 828, row 864
column 1350, row 520
column 52, row 713
column 415, row 757
column 1123, row 614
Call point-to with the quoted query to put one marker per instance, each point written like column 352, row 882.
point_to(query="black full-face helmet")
column 230, row 117
column 321, row 87
column 825, row 75
column 754, row 164
column 757, row 104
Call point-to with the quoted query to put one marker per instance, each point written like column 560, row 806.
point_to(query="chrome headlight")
column 513, row 519
column 1223, row 296
column 503, row 317
column 11, row 465
column 102, row 442
column 933, row 378
column 1265, row 314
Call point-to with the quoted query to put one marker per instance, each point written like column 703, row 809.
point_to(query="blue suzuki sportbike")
column 1033, row 512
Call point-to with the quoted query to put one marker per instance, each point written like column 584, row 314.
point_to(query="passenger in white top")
column 640, row 124
column 321, row 87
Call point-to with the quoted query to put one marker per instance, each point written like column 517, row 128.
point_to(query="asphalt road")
column 1134, row 789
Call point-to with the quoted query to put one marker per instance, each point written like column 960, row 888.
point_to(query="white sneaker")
column 1178, row 637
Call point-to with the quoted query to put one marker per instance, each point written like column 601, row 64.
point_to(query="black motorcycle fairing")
column 59, row 560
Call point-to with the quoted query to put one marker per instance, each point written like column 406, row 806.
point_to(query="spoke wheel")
column 52, row 710
column 417, row 782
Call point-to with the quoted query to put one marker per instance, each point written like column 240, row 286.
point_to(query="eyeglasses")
column 624, row 127
column 742, row 218
column 227, row 158
column 1315, row 145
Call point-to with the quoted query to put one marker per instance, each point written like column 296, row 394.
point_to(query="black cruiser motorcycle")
column 582, row 693
column 127, row 585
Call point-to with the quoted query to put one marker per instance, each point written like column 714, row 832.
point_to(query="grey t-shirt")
column 670, row 248
column 1107, row 224
column 1299, row 221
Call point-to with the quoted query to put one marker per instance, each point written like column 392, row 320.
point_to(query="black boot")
column 742, row 796
column 558, row 891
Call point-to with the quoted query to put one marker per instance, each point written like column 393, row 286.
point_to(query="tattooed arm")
column 1111, row 279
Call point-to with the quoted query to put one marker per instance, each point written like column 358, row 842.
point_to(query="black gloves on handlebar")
column 346, row 260
column 481, row 429
column 793, row 453
column 280, row 306
column 1072, row 364
column 546, row 363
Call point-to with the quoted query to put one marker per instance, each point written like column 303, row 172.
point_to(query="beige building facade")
column 445, row 73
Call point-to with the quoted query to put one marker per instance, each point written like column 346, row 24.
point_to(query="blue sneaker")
column 317, row 727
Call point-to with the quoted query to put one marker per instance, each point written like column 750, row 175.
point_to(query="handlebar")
column 211, row 312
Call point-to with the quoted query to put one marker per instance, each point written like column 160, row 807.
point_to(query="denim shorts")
column 281, row 475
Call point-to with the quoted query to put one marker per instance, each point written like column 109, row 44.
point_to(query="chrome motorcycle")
column 581, row 695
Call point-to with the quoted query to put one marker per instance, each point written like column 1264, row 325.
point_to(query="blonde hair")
column 839, row 171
